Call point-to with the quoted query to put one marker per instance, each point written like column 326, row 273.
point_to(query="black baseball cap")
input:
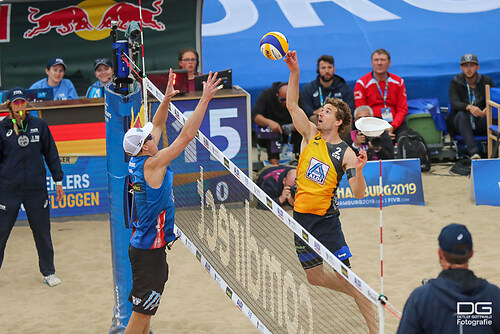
column 469, row 58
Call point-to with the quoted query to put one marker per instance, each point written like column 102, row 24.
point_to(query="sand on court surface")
column 194, row 303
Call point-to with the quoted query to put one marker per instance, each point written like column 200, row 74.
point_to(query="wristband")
column 58, row 183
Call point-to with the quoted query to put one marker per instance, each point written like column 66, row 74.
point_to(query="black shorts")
column 328, row 231
column 149, row 275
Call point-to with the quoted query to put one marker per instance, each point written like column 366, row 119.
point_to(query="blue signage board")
column 401, row 183
column 85, row 185
column 486, row 178
column 225, row 125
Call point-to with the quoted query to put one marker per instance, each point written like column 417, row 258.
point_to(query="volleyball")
column 274, row 45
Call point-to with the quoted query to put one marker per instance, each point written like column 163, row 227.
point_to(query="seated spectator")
column 103, row 70
column 377, row 148
column 63, row 88
column 384, row 92
column 274, row 121
column 189, row 60
column 468, row 103
column 327, row 84
column 278, row 182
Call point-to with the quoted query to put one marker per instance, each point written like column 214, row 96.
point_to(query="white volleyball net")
column 250, row 252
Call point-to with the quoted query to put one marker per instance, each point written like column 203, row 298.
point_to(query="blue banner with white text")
column 401, row 184
column 425, row 38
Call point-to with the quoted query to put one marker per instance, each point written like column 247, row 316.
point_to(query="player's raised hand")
column 211, row 86
column 361, row 160
column 170, row 91
column 292, row 61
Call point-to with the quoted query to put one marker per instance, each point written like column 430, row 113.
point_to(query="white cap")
column 134, row 138
column 372, row 126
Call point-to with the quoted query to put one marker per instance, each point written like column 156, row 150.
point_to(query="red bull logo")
column 76, row 19
column 124, row 12
column 65, row 21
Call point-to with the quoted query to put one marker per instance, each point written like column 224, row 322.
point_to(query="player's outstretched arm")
column 357, row 182
column 193, row 123
column 299, row 117
column 162, row 112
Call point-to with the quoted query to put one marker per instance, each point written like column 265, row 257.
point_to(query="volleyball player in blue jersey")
column 152, row 179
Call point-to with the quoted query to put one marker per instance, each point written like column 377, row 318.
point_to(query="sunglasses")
column 189, row 60
column 19, row 102
column 149, row 137
column 282, row 99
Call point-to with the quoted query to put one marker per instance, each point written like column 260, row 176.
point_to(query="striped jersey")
column 318, row 175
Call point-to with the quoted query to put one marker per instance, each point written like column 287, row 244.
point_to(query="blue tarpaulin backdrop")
column 426, row 39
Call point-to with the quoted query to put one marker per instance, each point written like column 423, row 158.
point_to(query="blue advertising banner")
column 426, row 39
column 486, row 179
column 401, row 182
column 225, row 125
column 85, row 185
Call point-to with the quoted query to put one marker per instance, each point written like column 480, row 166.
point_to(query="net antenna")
column 266, row 283
column 144, row 90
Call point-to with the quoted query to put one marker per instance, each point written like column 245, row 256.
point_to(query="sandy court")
column 194, row 303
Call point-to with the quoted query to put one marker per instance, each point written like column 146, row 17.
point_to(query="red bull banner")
column 79, row 32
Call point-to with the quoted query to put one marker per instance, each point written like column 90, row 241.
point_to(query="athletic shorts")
column 328, row 231
column 149, row 275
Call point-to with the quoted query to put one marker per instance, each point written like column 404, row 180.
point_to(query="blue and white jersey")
column 96, row 90
column 154, row 226
column 64, row 91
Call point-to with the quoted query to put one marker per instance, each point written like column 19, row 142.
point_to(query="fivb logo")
column 471, row 308
column 317, row 171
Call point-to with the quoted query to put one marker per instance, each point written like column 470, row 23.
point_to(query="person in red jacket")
column 384, row 92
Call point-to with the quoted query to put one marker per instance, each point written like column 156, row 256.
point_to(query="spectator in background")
column 189, row 60
column 468, row 103
column 278, row 182
column 376, row 148
column 63, row 88
column 327, row 84
column 384, row 92
column 103, row 70
column 25, row 143
column 274, row 121
column 457, row 301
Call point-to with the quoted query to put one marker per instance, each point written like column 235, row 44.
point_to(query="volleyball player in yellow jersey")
column 324, row 158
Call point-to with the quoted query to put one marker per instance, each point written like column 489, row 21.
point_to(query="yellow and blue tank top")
column 318, row 175
column 154, row 226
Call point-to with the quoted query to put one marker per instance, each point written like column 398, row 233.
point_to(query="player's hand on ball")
column 292, row 61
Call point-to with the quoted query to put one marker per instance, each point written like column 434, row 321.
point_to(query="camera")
column 376, row 141
column 293, row 190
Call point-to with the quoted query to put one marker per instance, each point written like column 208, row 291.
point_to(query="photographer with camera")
column 278, row 182
column 377, row 148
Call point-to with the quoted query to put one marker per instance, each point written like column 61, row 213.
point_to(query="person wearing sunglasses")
column 189, row 60
column 152, row 178
column 274, row 123
column 25, row 143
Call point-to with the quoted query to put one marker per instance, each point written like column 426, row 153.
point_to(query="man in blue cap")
column 457, row 301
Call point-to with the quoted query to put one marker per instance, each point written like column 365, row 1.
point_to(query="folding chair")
column 492, row 106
